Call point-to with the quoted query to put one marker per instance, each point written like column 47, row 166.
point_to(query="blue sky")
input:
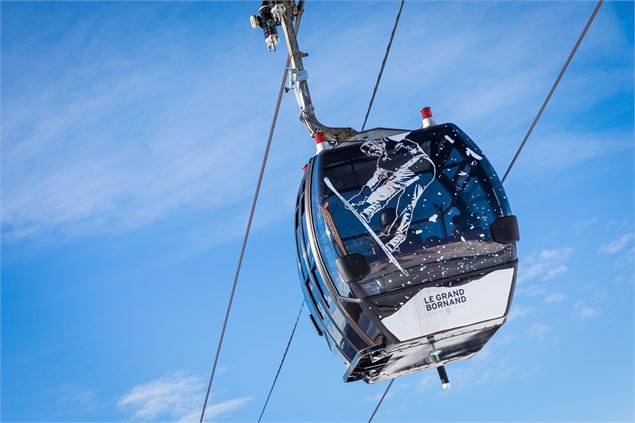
column 131, row 141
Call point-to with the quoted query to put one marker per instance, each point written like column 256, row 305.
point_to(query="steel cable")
column 383, row 64
column 286, row 350
column 259, row 183
column 370, row 105
column 284, row 356
column 249, row 221
column 553, row 88
column 531, row 128
column 372, row 416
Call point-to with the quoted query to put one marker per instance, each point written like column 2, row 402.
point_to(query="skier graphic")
column 394, row 177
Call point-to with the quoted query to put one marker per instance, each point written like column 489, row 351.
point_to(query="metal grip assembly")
column 266, row 21
column 273, row 13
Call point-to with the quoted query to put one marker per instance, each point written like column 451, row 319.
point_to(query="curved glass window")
column 407, row 209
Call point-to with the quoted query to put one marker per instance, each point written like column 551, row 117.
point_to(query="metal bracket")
column 284, row 12
column 434, row 355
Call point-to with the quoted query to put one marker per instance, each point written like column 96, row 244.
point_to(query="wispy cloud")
column 171, row 395
column 616, row 245
column 505, row 339
column 373, row 398
column 552, row 273
column 539, row 330
column 584, row 225
column 555, row 298
column 77, row 397
column 583, row 312
column 618, row 225
column 177, row 398
column 562, row 152
column 624, row 279
column 627, row 258
column 529, row 372
column 214, row 410
column 428, row 381
column 546, row 264
column 114, row 141
column 519, row 310
column 533, row 290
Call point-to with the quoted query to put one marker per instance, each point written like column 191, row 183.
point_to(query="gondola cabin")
column 405, row 239
column 406, row 249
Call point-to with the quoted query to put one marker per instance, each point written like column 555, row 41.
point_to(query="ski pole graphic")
column 391, row 258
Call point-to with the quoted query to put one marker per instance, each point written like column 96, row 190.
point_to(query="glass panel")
column 335, row 316
column 300, row 253
column 418, row 208
column 335, row 348
column 326, row 232
column 333, row 331
column 316, row 303
column 307, row 245
column 320, row 286
column 361, row 318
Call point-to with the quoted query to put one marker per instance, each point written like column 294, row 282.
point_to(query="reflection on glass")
column 428, row 199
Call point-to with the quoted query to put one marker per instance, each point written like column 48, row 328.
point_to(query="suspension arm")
column 282, row 13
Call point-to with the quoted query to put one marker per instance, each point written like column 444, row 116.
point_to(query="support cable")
column 370, row 105
column 383, row 64
column 380, row 401
column 263, row 166
column 249, row 221
column 553, row 88
column 284, row 356
column 531, row 128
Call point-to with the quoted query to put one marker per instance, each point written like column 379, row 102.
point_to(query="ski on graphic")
column 391, row 258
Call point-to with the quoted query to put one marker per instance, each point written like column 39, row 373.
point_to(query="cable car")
column 406, row 244
column 406, row 250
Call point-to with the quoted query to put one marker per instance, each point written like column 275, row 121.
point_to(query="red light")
column 319, row 137
column 426, row 112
